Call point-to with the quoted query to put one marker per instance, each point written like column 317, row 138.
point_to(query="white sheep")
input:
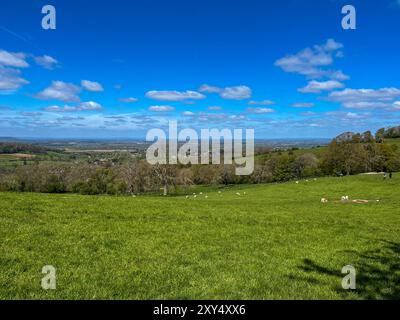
column 345, row 198
column 323, row 200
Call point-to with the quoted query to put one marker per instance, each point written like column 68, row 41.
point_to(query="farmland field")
column 274, row 241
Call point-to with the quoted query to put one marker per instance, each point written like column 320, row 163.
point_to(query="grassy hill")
column 271, row 241
column 393, row 141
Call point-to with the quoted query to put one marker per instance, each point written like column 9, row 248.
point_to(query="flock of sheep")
column 343, row 199
column 346, row 199
column 195, row 195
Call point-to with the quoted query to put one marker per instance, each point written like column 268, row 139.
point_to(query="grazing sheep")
column 344, row 199
column 201, row 193
column 297, row 182
column 323, row 200
column 237, row 193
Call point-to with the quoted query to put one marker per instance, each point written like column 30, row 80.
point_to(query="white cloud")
column 212, row 117
column 236, row 93
column 92, row 86
column 161, row 108
column 312, row 62
column 260, row 110
column 317, row 86
column 261, row 103
column 11, row 59
column 10, row 80
column 84, row 106
column 396, row 105
column 90, row 105
column 330, row 45
column 230, row 93
column 209, row 89
column 214, row 108
column 59, row 90
column 237, row 117
column 303, row 105
column 174, row 95
column 348, row 116
column 188, row 114
column 339, row 75
column 128, row 100
column 366, row 98
column 30, row 113
column 46, row 62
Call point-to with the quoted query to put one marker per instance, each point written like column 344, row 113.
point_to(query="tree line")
column 348, row 157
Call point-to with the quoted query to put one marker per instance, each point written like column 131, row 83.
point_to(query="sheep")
column 297, row 182
column 323, row 200
column 345, row 198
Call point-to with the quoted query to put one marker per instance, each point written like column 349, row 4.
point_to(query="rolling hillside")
column 255, row 242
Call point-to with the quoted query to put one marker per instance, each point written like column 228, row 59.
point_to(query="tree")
column 305, row 165
column 380, row 135
column 165, row 175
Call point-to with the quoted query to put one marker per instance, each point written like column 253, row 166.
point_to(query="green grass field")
column 274, row 242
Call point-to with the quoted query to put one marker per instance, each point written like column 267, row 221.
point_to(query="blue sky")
column 115, row 69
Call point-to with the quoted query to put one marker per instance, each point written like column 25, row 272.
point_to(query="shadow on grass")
column 377, row 273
